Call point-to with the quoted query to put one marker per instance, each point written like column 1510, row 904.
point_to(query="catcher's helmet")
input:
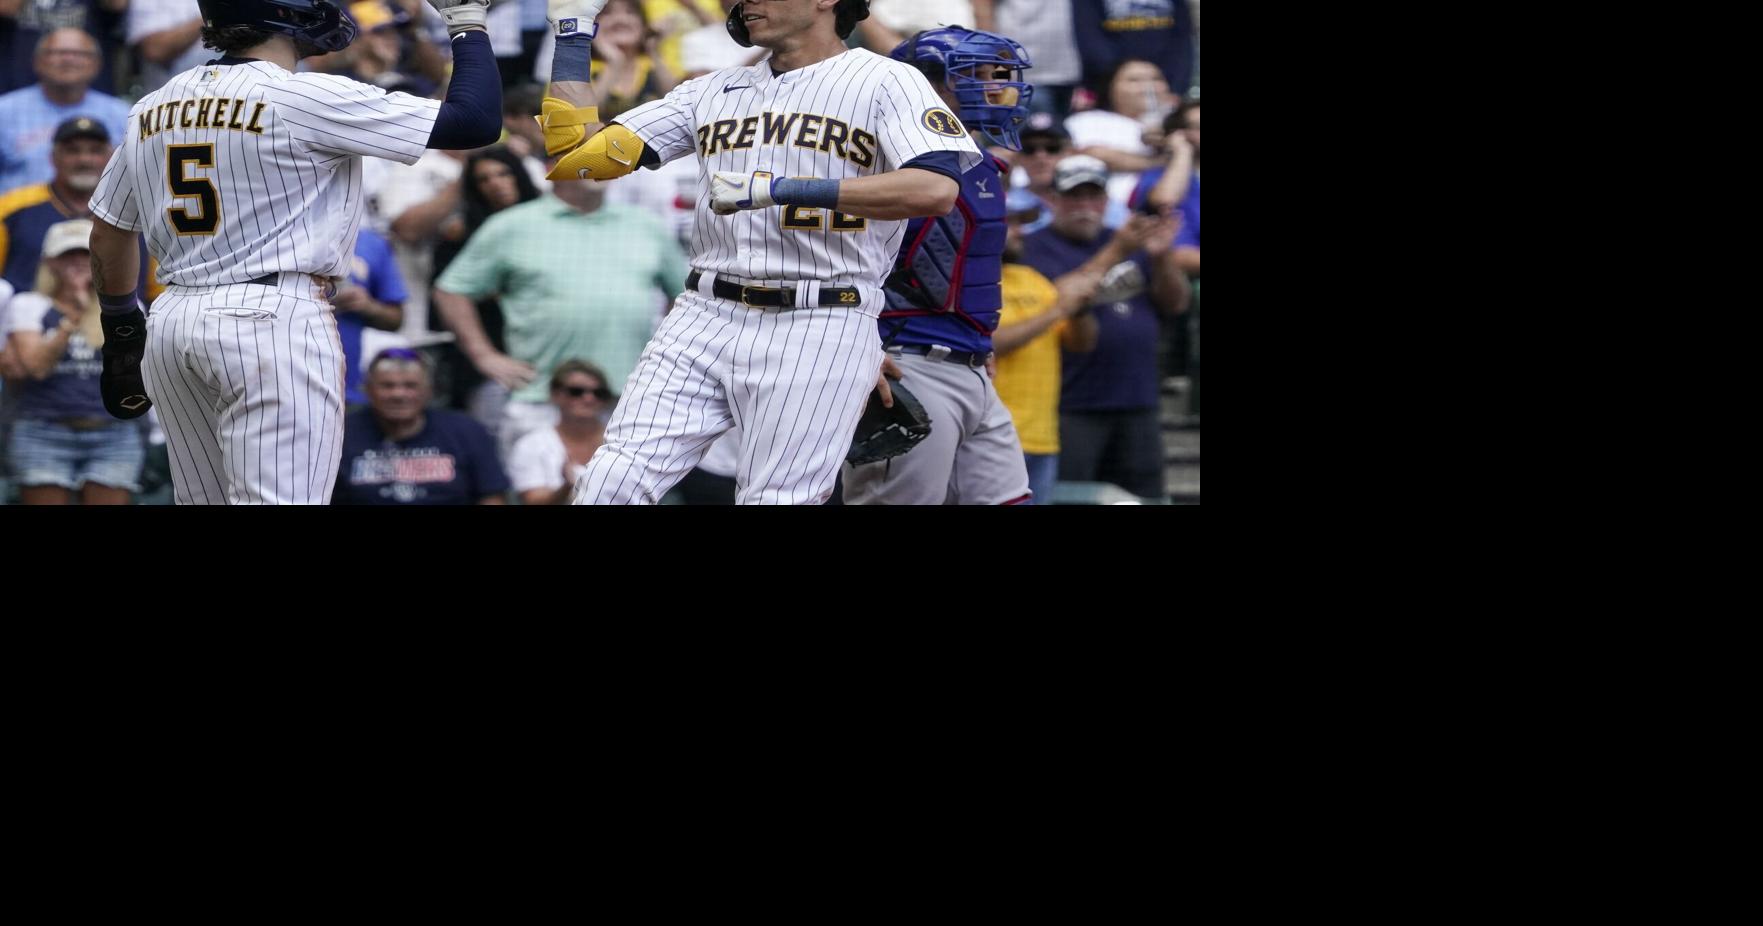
column 321, row 24
column 968, row 61
column 850, row 13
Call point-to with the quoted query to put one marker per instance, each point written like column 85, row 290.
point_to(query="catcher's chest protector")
column 954, row 262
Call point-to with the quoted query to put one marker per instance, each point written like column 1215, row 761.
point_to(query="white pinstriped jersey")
column 236, row 171
column 852, row 115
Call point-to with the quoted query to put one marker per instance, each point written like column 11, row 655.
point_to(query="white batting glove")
column 461, row 14
column 573, row 17
column 730, row 192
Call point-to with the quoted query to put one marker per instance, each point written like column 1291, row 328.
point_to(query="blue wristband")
column 127, row 302
column 822, row 193
column 574, row 58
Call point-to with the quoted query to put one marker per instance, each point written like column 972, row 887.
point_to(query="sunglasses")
column 599, row 392
column 1042, row 149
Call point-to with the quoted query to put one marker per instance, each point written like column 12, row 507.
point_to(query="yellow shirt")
column 663, row 14
column 1028, row 377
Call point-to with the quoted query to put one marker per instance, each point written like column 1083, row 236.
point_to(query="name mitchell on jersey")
column 209, row 112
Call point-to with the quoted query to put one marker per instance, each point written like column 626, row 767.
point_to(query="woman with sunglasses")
column 545, row 463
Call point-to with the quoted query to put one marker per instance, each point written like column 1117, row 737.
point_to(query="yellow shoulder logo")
column 942, row 122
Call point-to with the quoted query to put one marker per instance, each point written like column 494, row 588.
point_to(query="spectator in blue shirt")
column 372, row 298
column 66, row 61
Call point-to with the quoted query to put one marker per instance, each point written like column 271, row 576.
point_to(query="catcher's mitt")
column 885, row 432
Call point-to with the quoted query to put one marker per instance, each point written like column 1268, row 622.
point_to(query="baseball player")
column 245, row 178
column 944, row 296
column 809, row 164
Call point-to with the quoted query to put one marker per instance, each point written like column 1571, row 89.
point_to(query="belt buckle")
column 744, row 291
column 937, row 352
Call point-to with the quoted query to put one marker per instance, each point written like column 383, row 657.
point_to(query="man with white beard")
column 78, row 151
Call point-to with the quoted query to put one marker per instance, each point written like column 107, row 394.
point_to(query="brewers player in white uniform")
column 246, row 179
column 809, row 164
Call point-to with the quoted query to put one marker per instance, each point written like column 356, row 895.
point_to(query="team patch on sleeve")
column 941, row 122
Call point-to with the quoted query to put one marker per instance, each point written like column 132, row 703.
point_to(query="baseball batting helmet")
column 321, row 24
column 968, row 62
column 850, row 13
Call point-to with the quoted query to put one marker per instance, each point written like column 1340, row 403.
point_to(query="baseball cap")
column 1077, row 170
column 72, row 235
column 1044, row 124
column 370, row 15
column 81, row 127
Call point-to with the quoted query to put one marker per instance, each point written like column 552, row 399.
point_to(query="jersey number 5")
column 206, row 218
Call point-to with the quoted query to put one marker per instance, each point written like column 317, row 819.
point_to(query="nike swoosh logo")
column 741, row 87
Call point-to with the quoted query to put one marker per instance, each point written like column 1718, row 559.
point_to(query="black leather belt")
column 769, row 298
column 268, row 279
column 943, row 353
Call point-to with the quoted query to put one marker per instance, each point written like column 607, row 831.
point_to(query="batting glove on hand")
column 730, row 192
column 574, row 17
column 461, row 14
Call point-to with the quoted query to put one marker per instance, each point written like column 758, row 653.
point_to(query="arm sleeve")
column 471, row 115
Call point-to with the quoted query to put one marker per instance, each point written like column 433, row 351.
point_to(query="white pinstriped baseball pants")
column 793, row 381
column 248, row 381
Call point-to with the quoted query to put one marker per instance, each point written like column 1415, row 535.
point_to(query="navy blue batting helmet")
column 319, row 23
column 983, row 70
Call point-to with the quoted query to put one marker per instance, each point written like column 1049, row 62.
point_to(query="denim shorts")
column 49, row 454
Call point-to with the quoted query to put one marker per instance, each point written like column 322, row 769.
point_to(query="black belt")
column 942, row 353
column 769, row 298
column 268, row 279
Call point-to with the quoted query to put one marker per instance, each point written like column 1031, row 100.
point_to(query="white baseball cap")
column 72, row 235
column 1077, row 170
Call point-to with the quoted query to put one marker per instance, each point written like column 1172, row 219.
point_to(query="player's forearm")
column 460, row 317
column 471, row 115
column 116, row 259
column 492, row 500
column 163, row 47
column 907, row 193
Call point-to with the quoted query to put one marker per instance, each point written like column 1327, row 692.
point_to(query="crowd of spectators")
column 491, row 318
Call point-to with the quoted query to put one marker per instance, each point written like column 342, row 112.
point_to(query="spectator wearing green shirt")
column 576, row 279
